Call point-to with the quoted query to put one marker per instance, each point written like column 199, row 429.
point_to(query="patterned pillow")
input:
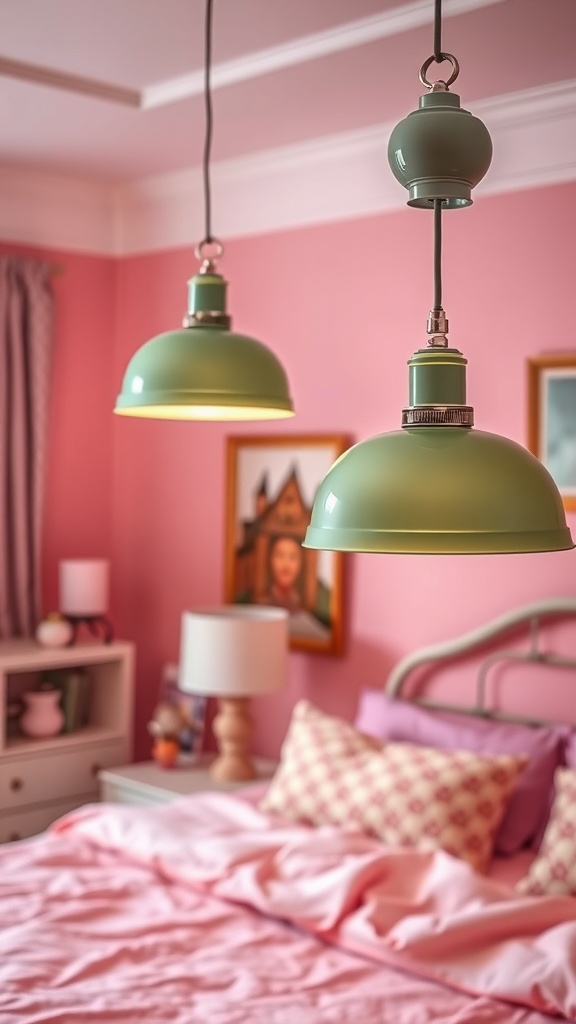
column 554, row 870
column 403, row 793
column 528, row 810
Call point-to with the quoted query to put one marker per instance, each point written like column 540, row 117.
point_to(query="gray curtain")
column 26, row 342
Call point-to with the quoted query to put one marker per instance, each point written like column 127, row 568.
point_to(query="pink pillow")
column 406, row 795
column 525, row 818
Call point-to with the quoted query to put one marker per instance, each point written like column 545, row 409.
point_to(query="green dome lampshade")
column 445, row 489
column 438, row 490
column 439, row 151
column 205, row 371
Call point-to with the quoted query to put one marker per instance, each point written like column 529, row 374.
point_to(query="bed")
column 398, row 869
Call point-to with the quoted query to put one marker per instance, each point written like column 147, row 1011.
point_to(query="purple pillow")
column 524, row 821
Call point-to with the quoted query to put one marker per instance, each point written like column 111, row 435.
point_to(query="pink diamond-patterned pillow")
column 403, row 793
column 554, row 870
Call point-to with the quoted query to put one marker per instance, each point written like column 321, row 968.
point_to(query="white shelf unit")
column 40, row 779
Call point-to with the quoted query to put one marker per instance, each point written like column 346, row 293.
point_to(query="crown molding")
column 57, row 212
column 39, row 75
column 254, row 65
column 343, row 176
column 534, row 137
column 389, row 23
column 334, row 178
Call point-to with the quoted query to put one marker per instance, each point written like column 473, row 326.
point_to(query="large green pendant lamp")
column 204, row 371
column 437, row 486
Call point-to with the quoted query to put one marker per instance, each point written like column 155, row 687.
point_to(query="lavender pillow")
column 525, row 818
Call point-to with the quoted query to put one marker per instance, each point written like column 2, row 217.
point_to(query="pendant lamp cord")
column 437, row 255
column 208, row 238
column 438, row 56
column 437, row 310
column 210, row 249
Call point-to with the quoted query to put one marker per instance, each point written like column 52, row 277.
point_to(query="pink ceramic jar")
column 42, row 716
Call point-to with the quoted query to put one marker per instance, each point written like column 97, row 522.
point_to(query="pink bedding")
column 205, row 911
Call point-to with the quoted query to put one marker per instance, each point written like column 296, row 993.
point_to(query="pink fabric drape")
column 26, row 342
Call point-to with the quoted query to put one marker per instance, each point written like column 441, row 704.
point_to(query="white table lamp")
column 84, row 584
column 233, row 652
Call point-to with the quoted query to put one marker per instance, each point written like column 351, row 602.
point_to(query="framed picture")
column 271, row 484
column 552, row 418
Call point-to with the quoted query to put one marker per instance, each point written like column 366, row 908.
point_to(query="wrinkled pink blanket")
column 111, row 916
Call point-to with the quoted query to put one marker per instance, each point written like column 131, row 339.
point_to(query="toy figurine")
column 166, row 726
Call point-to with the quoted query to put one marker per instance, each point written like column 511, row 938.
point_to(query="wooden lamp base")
column 232, row 728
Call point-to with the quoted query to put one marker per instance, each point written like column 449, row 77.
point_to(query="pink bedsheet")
column 509, row 870
column 204, row 911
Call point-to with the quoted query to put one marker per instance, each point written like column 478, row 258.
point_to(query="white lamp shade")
column 234, row 651
column 84, row 586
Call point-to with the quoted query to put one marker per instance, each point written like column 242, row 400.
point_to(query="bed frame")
column 530, row 616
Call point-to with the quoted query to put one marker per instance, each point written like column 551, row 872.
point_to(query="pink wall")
column 78, row 497
column 343, row 305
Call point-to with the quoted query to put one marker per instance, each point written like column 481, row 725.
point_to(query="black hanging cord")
column 208, row 130
column 439, row 57
column 438, row 31
column 437, row 255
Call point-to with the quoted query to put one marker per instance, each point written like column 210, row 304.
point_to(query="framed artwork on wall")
column 552, row 418
column 271, row 484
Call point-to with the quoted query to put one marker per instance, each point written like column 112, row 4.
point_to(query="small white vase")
column 54, row 632
column 43, row 716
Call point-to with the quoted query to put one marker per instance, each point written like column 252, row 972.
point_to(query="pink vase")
column 42, row 716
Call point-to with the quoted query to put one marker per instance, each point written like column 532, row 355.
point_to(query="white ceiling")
column 285, row 72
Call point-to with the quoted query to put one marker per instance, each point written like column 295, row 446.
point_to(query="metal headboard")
column 531, row 615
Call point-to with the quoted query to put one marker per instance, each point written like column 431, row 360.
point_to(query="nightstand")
column 146, row 783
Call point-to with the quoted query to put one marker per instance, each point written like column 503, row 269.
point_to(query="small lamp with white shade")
column 233, row 652
column 84, row 585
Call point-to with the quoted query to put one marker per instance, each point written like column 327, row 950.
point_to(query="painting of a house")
column 271, row 489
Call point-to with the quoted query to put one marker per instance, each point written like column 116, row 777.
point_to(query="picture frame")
column 271, row 482
column 552, row 418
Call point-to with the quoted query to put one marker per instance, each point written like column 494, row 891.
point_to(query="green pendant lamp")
column 437, row 486
column 205, row 371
